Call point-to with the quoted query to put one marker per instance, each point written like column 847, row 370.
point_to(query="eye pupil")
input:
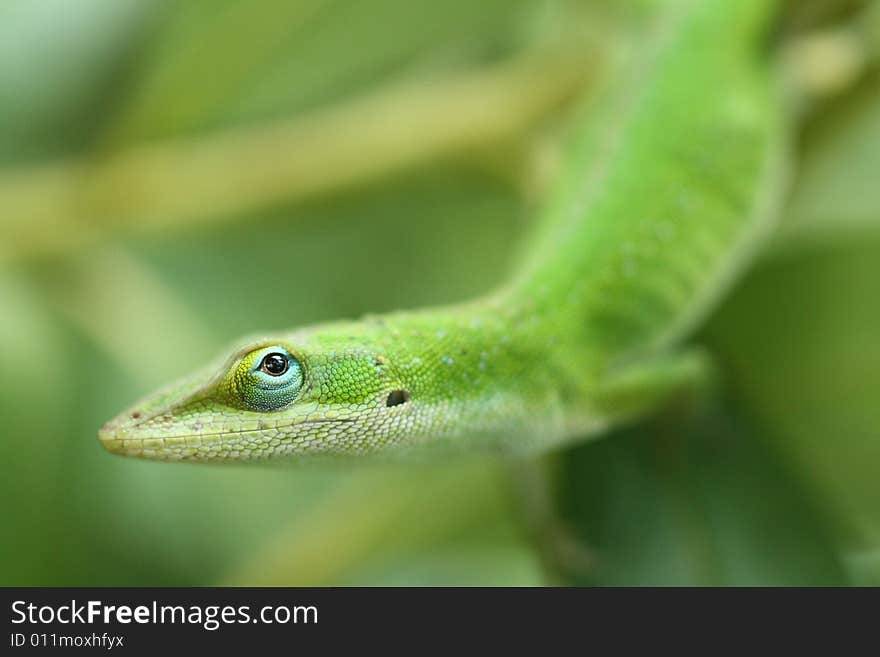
column 275, row 364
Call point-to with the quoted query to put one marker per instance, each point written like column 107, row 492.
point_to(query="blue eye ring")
column 272, row 380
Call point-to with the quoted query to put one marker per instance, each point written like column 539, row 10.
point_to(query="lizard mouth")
column 131, row 435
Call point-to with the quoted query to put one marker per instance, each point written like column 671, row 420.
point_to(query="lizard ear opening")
column 397, row 397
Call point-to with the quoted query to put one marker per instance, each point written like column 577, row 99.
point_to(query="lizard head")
column 384, row 386
column 273, row 398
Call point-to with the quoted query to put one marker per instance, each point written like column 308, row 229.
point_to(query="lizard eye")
column 266, row 379
column 275, row 364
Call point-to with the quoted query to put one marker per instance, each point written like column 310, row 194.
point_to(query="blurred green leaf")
column 35, row 403
column 836, row 196
column 280, row 57
column 58, row 59
column 459, row 564
column 799, row 339
column 693, row 504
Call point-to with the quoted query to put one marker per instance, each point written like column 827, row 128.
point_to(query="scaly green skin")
column 665, row 193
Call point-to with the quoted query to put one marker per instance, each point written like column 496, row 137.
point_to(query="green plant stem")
column 58, row 207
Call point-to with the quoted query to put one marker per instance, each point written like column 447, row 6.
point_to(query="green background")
column 777, row 482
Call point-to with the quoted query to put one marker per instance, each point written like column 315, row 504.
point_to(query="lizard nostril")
column 135, row 415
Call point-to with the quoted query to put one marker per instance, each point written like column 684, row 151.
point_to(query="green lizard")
column 670, row 183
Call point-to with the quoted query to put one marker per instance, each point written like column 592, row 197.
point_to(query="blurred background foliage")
column 176, row 174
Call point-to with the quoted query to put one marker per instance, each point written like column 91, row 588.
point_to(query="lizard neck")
column 665, row 191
